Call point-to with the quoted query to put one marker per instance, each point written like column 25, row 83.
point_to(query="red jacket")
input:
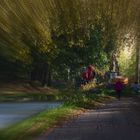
column 85, row 75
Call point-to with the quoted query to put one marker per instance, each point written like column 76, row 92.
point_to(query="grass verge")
column 87, row 99
column 34, row 126
column 23, row 97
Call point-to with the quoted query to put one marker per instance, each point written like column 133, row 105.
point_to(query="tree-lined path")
column 46, row 47
column 119, row 120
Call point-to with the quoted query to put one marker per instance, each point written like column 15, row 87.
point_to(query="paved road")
column 119, row 120
column 11, row 113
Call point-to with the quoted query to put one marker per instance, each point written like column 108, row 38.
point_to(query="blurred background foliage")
column 47, row 40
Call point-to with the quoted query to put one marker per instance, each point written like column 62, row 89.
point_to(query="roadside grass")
column 69, row 95
column 128, row 92
column 34, row 126
column 35, row 96
column 87, row 99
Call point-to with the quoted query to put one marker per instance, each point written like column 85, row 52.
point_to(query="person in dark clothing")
column 135, row 87
column 118, row 88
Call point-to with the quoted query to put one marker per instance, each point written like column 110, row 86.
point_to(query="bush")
column 84, row 99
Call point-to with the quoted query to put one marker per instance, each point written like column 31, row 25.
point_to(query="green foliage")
column 86, row 99
column 69, row 33
column 127, row 61
column 95, row 53
column 21, row 97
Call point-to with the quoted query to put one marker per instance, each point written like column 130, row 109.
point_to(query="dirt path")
column 119, row 120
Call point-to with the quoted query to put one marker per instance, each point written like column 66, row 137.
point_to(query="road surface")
column 119, row 120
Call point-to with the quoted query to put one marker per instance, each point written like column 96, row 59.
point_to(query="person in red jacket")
column 84, row 77
column 88, row 74
column 91, row 72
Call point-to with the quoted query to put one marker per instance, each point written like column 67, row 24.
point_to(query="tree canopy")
column 40, row 37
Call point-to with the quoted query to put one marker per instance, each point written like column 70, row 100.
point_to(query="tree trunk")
column 45, row 74
column 137, row 76
column 49, row 77
column 33, row 75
